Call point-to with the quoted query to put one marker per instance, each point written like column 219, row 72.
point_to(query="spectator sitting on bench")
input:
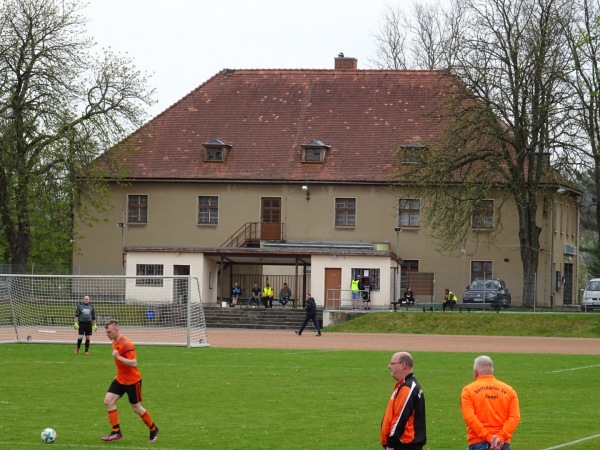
column 284, row 295
column 449, row 300
column 409, row 296
column 255, row 297
column 267, row 296
column 236, row 293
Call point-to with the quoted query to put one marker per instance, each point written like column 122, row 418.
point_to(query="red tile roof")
column 267, row 115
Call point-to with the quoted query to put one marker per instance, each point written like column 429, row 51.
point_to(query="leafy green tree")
column 61, row 104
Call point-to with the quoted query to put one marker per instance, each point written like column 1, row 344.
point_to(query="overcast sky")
column 182, row 43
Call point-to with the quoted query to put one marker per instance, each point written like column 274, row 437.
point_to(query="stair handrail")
column 247, row 232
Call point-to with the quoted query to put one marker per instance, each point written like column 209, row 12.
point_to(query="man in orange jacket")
column 490, row 408
column 403, row 424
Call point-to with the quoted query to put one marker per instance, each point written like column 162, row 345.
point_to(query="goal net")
column 151, row 310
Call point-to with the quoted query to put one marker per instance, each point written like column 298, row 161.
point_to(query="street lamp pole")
column 397, row 280
column 122, row 225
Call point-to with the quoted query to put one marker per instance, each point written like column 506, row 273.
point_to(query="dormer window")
column 215, row 151
column 314, row 151
column 412, row 153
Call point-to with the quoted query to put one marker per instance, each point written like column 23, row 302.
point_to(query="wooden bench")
column 431, row 306
column 395, row 304
column 476, row 306
column 407, row 306
column 291, row 301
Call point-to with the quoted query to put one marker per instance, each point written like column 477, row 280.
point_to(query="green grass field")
column 506, row 323
column 266, row 399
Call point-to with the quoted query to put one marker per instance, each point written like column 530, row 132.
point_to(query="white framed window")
column 483, row 215
column 345, row 212
column 409, row 212
column 481, row 270
column 156, row 270
column 373, row 276
column 208, row 210
column 215, row 151
column 137, row 208
column 314, row 151
column 412, row 153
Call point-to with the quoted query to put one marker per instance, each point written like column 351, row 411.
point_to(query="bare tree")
column 584, row 42
column 508, row 108
column 430, row 32
column 60, row 105
column 391, row 41
column 420, row 38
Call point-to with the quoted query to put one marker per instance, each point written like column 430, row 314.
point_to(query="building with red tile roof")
column 259, row 172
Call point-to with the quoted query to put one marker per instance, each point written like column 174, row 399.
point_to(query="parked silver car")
column 591, row 295
column 490, row 290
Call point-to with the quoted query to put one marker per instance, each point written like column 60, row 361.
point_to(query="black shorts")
column 85, row 328
column 133, row 391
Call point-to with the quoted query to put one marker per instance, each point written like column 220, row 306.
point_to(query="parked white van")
column 591, row 295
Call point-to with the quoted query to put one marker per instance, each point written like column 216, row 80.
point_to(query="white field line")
column 574, row 368
column 573, row 442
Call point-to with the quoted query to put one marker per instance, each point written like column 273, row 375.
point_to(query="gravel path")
column 242, row 338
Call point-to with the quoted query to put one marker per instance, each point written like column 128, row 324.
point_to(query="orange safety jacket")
column 403, row 423
column 489, row 407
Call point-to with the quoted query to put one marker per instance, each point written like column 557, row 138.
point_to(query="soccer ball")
column 48, row 435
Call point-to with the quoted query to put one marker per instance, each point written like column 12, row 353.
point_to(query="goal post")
column 151, row 310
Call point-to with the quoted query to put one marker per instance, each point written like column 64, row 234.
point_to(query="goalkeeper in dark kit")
column 85, row 322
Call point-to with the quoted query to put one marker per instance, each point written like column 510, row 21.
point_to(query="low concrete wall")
column 331, row 317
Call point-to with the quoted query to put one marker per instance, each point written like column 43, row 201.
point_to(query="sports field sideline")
column 243, row 338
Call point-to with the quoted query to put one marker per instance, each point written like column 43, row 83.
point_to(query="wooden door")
column 270, row 228
column 333, row 287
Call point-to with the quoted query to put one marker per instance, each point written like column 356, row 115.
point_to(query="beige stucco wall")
column 172, row 222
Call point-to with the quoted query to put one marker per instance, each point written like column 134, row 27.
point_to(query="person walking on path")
column 490, row 409
column 85, row 323
column 311, row 314
column 128, row 381
column 403, row 426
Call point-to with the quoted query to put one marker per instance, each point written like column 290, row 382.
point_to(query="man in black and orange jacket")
column 403, row 426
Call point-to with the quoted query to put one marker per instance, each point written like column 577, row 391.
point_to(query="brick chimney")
column 342, row 63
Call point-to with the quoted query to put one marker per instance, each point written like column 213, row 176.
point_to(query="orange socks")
column 113, row 418
column 148, row 421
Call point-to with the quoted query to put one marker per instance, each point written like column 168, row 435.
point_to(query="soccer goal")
column 151, row 310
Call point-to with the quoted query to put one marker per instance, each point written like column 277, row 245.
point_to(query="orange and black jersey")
column 403, row 424
column 126, row 374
